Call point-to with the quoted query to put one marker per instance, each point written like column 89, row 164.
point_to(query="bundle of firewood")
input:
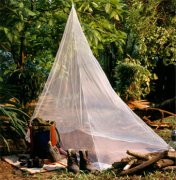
column 136, row 162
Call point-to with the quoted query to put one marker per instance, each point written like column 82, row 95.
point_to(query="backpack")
column 41, row 133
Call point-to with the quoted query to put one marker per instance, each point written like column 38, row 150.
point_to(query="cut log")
column 130, row 164
column 171, row 168
column 119, row 165
column 137, row 155
column 171, row 154
column 127, row 159
column 164, row 163
column 142, row 156
column 144, row 164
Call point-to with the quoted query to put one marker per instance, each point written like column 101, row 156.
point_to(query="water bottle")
column 172, row 143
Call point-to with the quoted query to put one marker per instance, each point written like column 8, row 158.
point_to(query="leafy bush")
column 132, row 80
column 28, row 82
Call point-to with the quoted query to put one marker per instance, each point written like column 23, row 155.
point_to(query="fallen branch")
column 157, row 124
column 164, row 163
column 166, row 102
column 137, row 155
column 162, row 111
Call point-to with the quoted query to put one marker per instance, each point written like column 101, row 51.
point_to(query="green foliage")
column 151, row 34
column 151, row 38
column 11, row 116
column 25, row 84
column 28, row 82
column 132, row 80
column 100, row 21
column 16, row 119
column 158, row 44
column 31, row 32
column 41, row 26
column 6, row 64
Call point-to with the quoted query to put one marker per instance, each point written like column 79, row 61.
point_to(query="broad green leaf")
column 5, row 30
column 113, row 14
column 6, row 72
column 108, row 8
column 50, row 22
column 21, row 17
column 95, row 5
column 38, row 24
column 25, row 42
column 21, row 5
column 90, row 9
column 97, row 34
column 27, row 33
column 117, row 17
column 44, row 19
column 33, row 37
column 86, row 7
column 155, row 77
column 9, row 36
column 29, row 12
column 20, row 26
column 96, row 40
column 81, row 7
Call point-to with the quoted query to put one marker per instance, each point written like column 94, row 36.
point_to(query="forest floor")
column 8, row 172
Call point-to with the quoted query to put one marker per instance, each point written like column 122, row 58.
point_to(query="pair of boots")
column 84, row 164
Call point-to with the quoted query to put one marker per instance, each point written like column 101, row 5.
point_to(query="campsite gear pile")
column 165, row 160
column 84, row 162
column 46, row 143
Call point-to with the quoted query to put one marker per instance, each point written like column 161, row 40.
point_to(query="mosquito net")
column 88, row 113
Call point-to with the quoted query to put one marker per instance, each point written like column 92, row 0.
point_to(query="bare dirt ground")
column 8, row 172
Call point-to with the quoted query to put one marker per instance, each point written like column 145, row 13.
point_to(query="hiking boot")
column 72, row 162
column 85, row 163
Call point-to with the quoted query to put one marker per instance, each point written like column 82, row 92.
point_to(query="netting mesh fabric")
column 88, row 113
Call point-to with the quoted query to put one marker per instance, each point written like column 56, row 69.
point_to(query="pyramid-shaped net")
column 88, row 113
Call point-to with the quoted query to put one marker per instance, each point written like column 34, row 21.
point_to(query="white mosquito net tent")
column 88, row 113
